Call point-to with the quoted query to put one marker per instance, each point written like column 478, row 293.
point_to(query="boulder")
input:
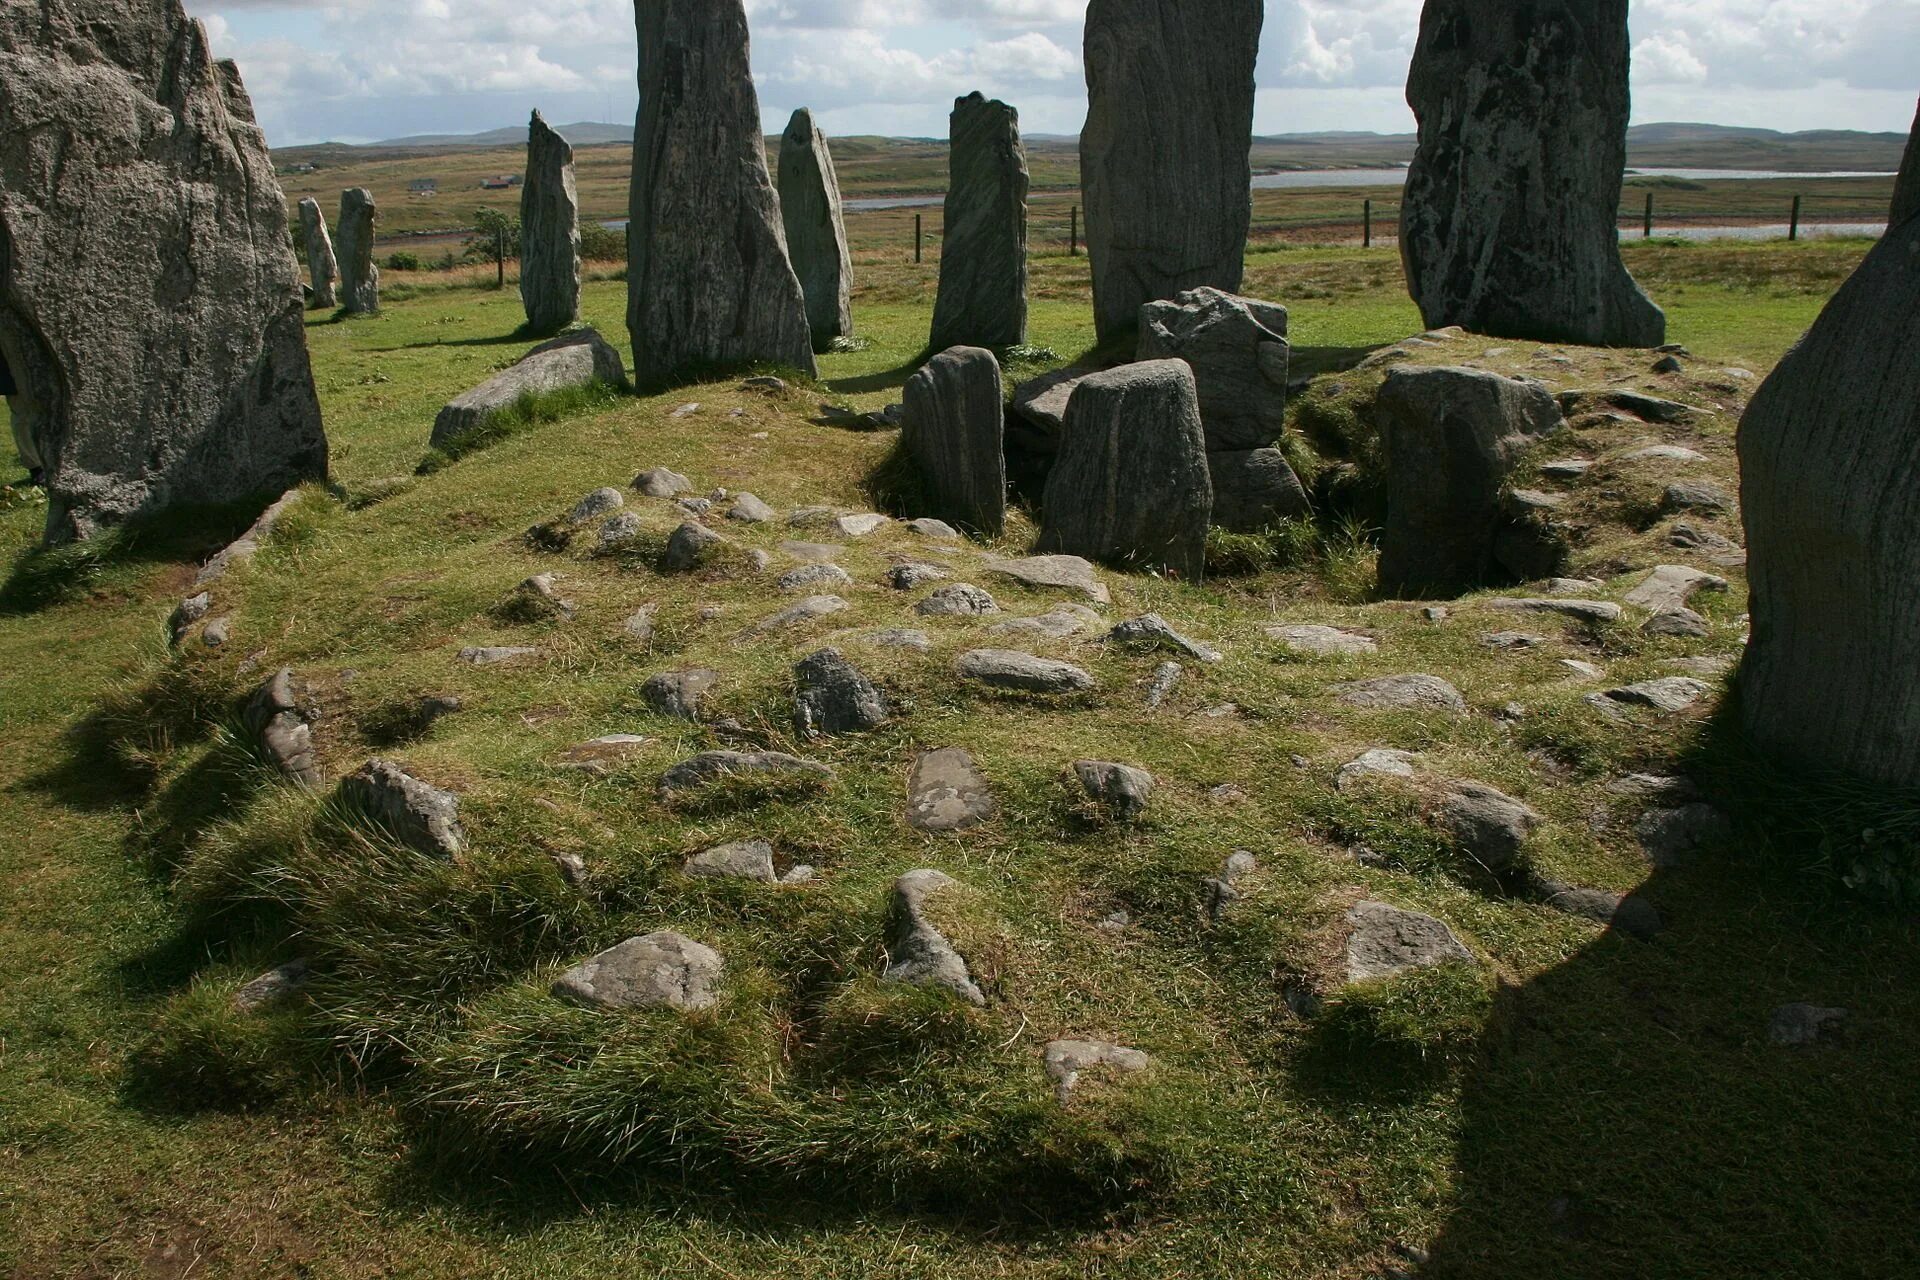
column 359, row 275
column 657, row 970
column 1386, row 940
column 1040, row 410
column 1010, row 669
column 322, row 268
column 1451, row 437
column 1317, row 641
column 917, row 952
column 1402, row 693
column 1487, row 825
column 816, row 231
column 1120, row 789
column 422, row 817
column 1255, row 489
column 831, row 695
column 1131, row 485
column 1509, row 222
column 1164, row 155
column 708, row 278
column 571, row 360
column 549, row 232
column 678, row 694
column 275, row 721
column 153, row 346
column 1237, row 348
column 954, row 431
column 957, row 600
column 947, row 792
column 1064, row 573
column 983, row 257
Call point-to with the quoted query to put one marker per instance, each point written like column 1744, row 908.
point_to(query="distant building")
column 424, row 186
column 500, row 181
column 298, row 168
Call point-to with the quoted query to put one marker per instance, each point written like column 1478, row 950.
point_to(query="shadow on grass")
column 45, row 577
column 1314, row 362
column 882, row 381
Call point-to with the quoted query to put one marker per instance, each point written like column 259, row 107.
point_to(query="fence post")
column 1646, row 229
column 1793, row 228
column 1073, row 233
column 916, row 237
column 1366, row 217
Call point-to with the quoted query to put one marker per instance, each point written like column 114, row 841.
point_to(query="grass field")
column 1583, row 1105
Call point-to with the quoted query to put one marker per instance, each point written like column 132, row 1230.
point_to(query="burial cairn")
column 708, row 279
column 1509, row 225
column 983, row 258
column 549, row 232
column 136, row 383
column 816, row 229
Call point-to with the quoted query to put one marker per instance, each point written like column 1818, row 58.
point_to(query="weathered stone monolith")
column 359, row 275
column 983, row 255
column 151, row 314
column 1164, row 156
column 1130, row 486
column 1906, row 188
column 1828, row 451
column 816, row 231
column 708, row 279
column 954, row 430
column 322, row 269
column 549, row 232
column 1509, row 224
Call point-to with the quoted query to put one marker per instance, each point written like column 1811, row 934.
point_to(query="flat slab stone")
column 1381, row 762
column 1402, row 693
column 1011, row 669
column 811, row 577
column 1151, row 631
column 812, row 609
column 1671, row 587
column 861, row 525
column 958, row 600
column 738, row 860
column 1061, row 573
column 1669, row 693
column 899, row 638
column 1592, row 611
column 602, row 757
column 1061, row 622
column 1323, row 642
column 678, row 694
column 1068, row 1060
column 1123, row 790
column 419, row 815
column 576, row 359
column 714, row 766
column 1670, row 835
column 1387, row 940
column 917, row 952
column 656, row 970
column 947, row 792
column 814, row 552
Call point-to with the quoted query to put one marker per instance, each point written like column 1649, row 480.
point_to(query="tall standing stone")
column 152, row 328
column 1509, row 225
column 549, row 232
column 708, row 279
column 322, row 269
column 983, row 253
column 954, row 429
column 359, row 276
column 1906, row 188
column 1164, row 156
column 1130, row 486
column 1829, row 448
column 816, row 230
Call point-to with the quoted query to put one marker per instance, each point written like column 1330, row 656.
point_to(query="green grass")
column 1585, row 1106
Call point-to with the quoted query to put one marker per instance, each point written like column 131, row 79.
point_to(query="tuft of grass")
column 1429, row 1017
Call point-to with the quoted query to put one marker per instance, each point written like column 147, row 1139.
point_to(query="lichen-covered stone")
column 662, row 969
column 421, row 816
column 549, row 232
column 983, row 257
column 816, row 230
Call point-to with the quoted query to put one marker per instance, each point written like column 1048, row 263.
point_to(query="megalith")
column 1906, row 187
column 549, row 232
column 954, row 429
column 816, row 229
column 1239, row 353
column 1828, row 449
column 708, row 279
column 1164, row 156
column 1131, row 485
column 322, row 269
column 983, row 252
column 151, row 313
column 359, row 275
column 1509, row 225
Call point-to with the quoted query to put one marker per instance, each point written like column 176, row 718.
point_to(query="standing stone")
column 1131, row 484
column 359, row 276
column 322, row 269
column 1509, row 224
column 152, row 339
column 1828, row 451
column 549, row 232
column 1451, row 438
column 1164, row 156
column 954, row 430
column 1906, row 188
column 816, row 231
column 983, row 258
column 708, row 280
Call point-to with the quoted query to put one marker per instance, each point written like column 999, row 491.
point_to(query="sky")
column 362, row 70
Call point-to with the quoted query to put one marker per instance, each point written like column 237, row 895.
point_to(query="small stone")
column 1693, row 495
column 596, row 504
column 1664, row 453
column 1669, row 364
column 1680, row 623
column 684, row 410
column 809, row 517
column 1584, row 669
column 832, row 696
column 639, row 624
column 859, row 526
column 537, row 599
column 914, row 575
column 1795, row 1026
column 1323, row 642
column 695, row 507
column 1165, row 677
column 917, row 952
column 1061, row 622
column 1566, row 468
column 1669, row 694
column 1123, row 790
column 1389, row 940
column 748, row 509
column 928, row 527
column 1436, row 613
column 1489, row 826
column 712, row 766
column 496, row 655
column 1670, row 835
column 740, row 860
column 662, row 483
column 1151, row 631
column 1381, row 762
column 802, row 874
column 899, row 638
column 813, row 552
column 1060, row 573
column 1239, row 864
column 691, row 546
column 958, row 600
column 765, row 384
column 275, row 721
column 1631, row 915
column 678, row 694
column 1671, row 587
column 1402, row 693
column 810, row 609
column 188, row 612
column 947, row 792
column 1114, row 922
column 217, row 632
column 275, row 986
column 1512, row 641
column 1589, row 611
column 602, row 757
column 809, row 576
column 656, row 970
column 620, row 532
column 422, row 817
column 1010, row 669
column 1068, row 1060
